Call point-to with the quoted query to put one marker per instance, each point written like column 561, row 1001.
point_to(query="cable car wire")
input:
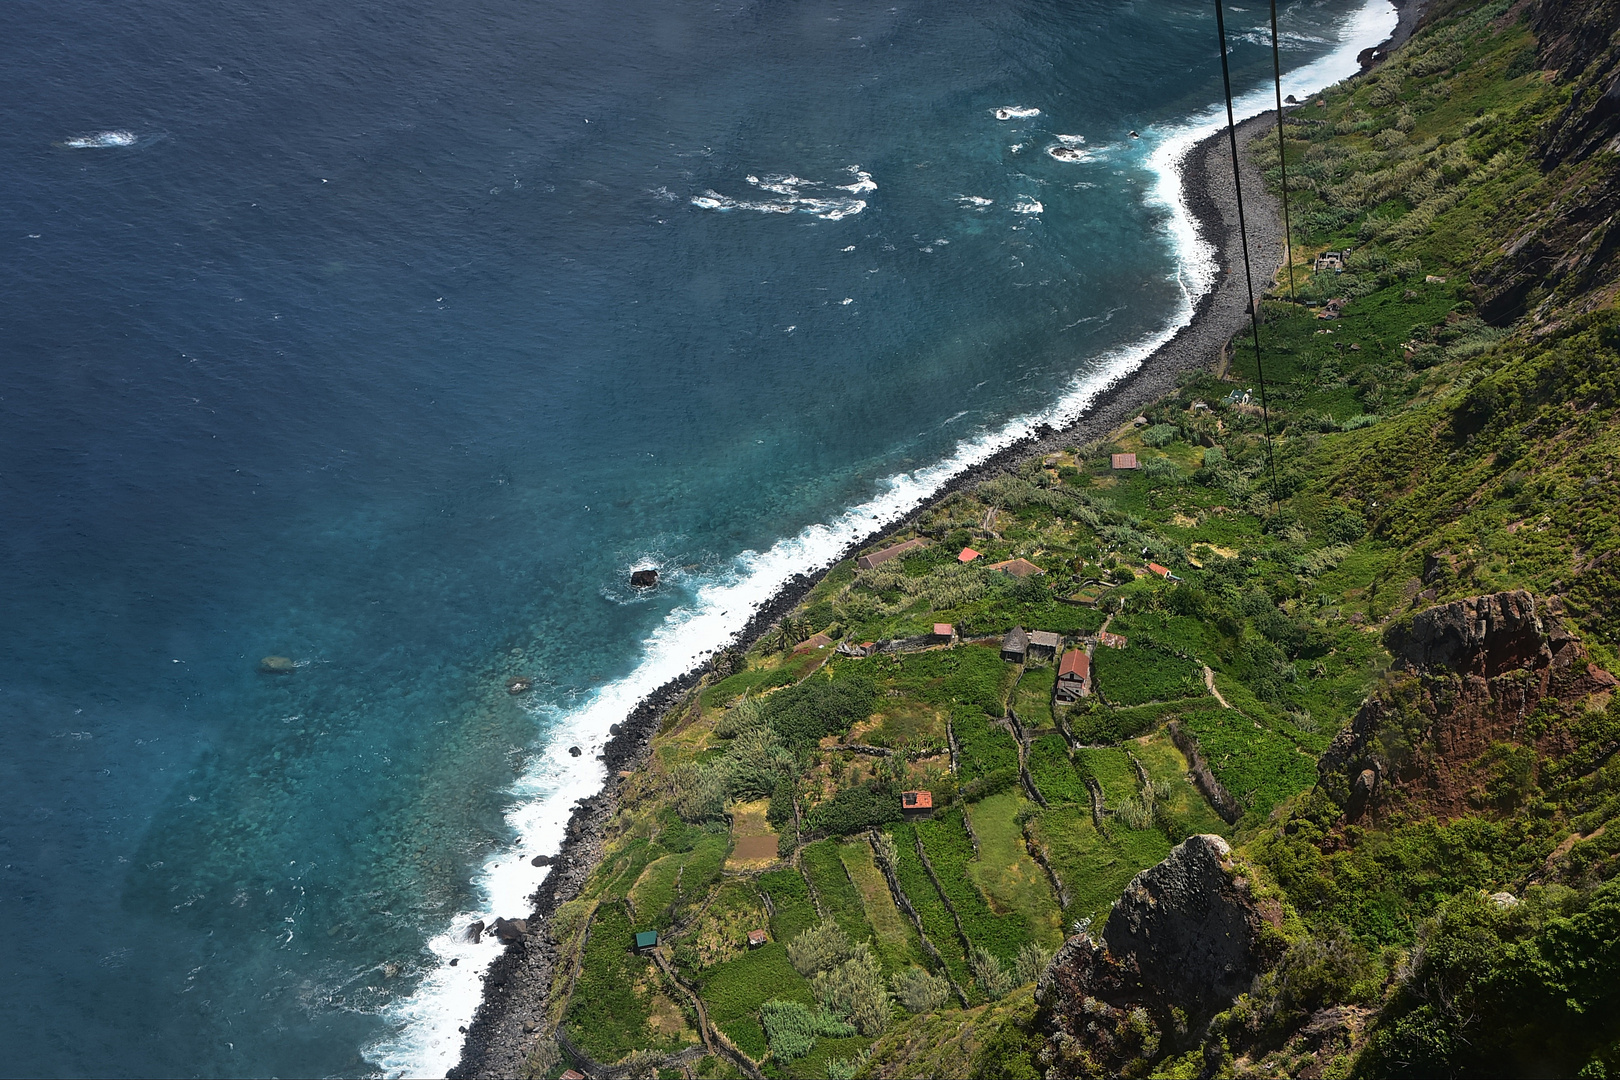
column 1243, row 235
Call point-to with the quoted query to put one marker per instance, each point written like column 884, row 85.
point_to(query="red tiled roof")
column 944, row 629
column 968, row 555
column 917, row 800
column 1075, row 663
column 756, row 937
column 1123, row 461
column 1162, row 571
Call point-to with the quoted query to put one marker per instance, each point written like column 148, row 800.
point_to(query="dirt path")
column 1209, row 681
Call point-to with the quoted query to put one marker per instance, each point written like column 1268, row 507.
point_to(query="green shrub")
column 1508, row 989
column 855, row 990
column 1159, row 435
column 747, row 714
column 876, row 802
column 756, row 762
column 802, row 715
column 819, row 948
column 920, row 991
column 1143, row 672
column 791, row 1027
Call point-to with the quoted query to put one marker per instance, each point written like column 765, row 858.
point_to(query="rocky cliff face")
column 1470, row 676
column 1577, row 38
column 1184, row 940
column 1567, row 247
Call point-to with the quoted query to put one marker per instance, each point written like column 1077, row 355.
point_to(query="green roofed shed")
column 647, row 939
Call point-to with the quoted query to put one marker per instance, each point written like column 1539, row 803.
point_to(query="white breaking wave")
column 426, row 1041
column 978, row 202
column 862, row 184
column 1014, row 112
column 793, row 198
column 1026, row 205
column 101, row 140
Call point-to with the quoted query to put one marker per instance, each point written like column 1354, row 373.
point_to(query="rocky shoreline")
column 517, row 984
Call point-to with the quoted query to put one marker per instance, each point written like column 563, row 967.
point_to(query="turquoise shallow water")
column 389, row 339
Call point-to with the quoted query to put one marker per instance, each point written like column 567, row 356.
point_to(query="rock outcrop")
column 1183, row 941
column 1470, row 674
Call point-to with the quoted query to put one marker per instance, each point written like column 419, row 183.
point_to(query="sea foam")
column 101, row 140
column 426, row 1041
column 793, row 198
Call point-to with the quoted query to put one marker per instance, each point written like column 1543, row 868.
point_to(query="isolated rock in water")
column 509, row 930
column 475, row 932
column 519, row 685
column 540, row 860
column 644, row 579
column 277, row 665
column 575, row 751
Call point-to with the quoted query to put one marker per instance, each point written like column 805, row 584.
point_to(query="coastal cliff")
column 1372, row 602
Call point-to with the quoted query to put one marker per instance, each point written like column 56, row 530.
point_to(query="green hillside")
column 1449, row 432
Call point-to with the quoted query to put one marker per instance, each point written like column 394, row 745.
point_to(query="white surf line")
column 427, row 1041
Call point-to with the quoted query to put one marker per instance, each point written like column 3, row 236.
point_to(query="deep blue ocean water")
column 389, row 338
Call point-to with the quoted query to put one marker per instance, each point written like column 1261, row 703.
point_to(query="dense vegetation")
column 1449, row 431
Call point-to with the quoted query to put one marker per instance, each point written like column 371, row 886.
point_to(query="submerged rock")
column 475, row 932
column 644, row 579
column 277, row 665
column 519, row 685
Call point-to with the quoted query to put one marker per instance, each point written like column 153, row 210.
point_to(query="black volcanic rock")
column 644, row 579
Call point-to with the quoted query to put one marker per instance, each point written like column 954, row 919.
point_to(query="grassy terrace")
column 1405, row 427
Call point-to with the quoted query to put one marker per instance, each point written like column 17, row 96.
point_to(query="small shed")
column 877, row 558
column 944, row 632
column 1044, row 644
column 1162, row 571
column 1018, row 568
column 645, row 940
column 1074, row 676
column 1015, row 645
column 967, row 555
column 916, row 802
column 572, row 1074
column 1122, row 461
column 756, row 938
